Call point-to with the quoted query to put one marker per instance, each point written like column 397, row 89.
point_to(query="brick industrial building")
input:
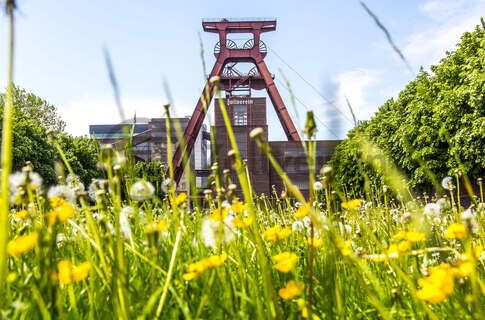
column 247, row 113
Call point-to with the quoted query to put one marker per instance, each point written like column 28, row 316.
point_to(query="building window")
column 240, row 115
column 242, row 143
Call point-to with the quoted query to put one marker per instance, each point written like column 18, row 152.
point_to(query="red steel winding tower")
column 228, row 54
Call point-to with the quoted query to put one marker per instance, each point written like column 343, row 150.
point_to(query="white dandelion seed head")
column 468, row 214
column 326, row 170
column 63, row 192
column 94, row 186
column 73, row 181
column 443, row 203
column 317, row 186
column 141, row 190
column 307, row 222
column 17, row 179
column 213, row 233
column 432, row 210
column 297, row 226
column 447, row 183
column 437, row 220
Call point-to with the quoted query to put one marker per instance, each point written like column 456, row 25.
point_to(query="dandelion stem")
column 7, row 138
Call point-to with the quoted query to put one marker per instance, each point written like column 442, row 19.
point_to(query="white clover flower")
column 141, row 190
column 447, row 183
column 212, row 233
column 432, row 210
column 297, row 226
column 62, row 191
column 317, row 186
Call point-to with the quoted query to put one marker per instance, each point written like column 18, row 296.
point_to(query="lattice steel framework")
column 228, row 54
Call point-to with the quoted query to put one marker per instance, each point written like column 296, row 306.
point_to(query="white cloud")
column 451, row 19
column 353, row 84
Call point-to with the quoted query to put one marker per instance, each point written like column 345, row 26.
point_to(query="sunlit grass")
column 117, row 250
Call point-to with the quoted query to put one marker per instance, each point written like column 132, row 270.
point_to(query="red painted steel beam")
column 184, row 149
column 278, row 104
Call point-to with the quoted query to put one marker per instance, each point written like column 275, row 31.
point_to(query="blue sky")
column 333, row 44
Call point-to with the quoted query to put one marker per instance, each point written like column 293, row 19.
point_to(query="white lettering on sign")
column 237, row 101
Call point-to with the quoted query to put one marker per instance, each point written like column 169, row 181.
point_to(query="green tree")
column 436, row 125
column 34, row 120
column 82, row 155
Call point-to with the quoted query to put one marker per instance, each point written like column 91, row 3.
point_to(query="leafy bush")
column 436, row 125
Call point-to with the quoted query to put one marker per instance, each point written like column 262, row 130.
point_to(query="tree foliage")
column 436, row 125
column 34, row 120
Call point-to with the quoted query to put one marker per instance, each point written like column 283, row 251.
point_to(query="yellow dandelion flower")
column 438, row 285
column 22, row 244
column 456, row 231
column 302, row 211
column 242, row 222
column 351, row 204
column 56, row 202
column 412, row 236
column 404, row 246
column 285, row 261
column 180, row 198
column 477, row 252
column 61, row 211
column 216, row 261
column 276, row 233
column 22, row 214
column 238, row 207
column 80, row 272
column 401, row 235
column 316, row 243
column 218, row 214
column 393, row 251
column 65, row 212
column 465, row 266
column 291, row 290
column 64, row 269
column 156, row 226
column 344, row 247
column 68, row 273
column 194, row 270
column 284, row 233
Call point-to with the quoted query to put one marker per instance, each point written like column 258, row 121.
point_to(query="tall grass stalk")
column 7, row 142
column 268, row 287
